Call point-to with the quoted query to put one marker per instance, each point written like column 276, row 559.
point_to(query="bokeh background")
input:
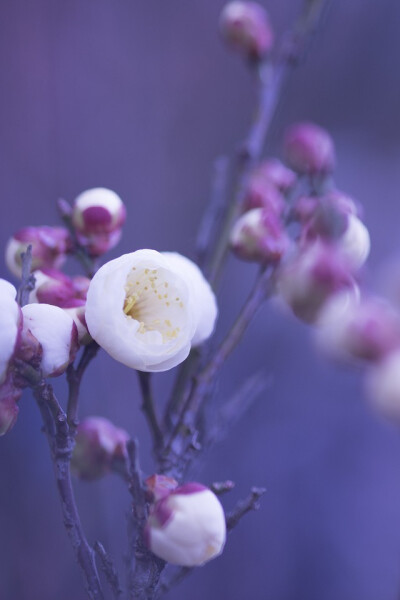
column 141, row 97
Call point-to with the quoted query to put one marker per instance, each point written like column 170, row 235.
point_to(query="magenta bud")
column 313, row 276
column 246, row 27
column 309, row 149
column 98, row 211
column 9, row 396
column 49, row 248
column 98, row 444
column 258, row 236
column 260, row 193
column 304, row 208
column 53, row 287
column 276, row 173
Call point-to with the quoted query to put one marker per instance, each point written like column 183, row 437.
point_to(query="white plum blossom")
column 10, row 325
column 56, row 332
column 187, row 527
column 204, row 303
column 143, row 310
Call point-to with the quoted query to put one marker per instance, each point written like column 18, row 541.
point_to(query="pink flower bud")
column 263, row 194
column 49, row 248
column 9, row 396
column 246, row 27
column 383, row 386
column 309, row 149
column 275, row 172
column 53, row 287
column 98, row 444
column 98, row 215
column 312, row 277
column 187, row 526
column 258, row 236
column 366, row 329
column 56, row 333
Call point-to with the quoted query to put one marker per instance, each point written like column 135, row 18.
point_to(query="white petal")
column 99, row 197
column 158, row 337
column 54, row 330
column 196, row 532
column 10, row 320
column 203, row 298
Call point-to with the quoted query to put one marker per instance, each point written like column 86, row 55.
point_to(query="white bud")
column 10, row 325
column 56, row 332
column 187, row 527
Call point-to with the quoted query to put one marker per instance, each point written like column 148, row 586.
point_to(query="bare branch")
column 74, row 378
column 222, row 487
column 109, row 570
column 149, row 410
column 252, row 502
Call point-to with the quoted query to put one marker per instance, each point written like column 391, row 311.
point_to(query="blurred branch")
column 149, row 411
column 252, row 502
column 28, row 280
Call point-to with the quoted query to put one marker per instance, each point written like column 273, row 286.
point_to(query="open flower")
column 187, row 526
column 56, row 333
column 142, row 309
column 10, row 325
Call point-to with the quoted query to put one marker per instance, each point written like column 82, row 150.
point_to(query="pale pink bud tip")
column 187, row 526
column 258, row 236
column 98, row 444
column 49, row 248
column 246, row 27
column 273, row 171
column 261, row 193
column 309, row 149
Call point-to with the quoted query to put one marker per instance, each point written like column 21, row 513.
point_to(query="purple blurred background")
column 141, row 97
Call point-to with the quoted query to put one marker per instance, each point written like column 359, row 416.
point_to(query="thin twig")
column 214, row 212
column 222, row 487
column 109, row 570
column 149, row 410
column 28, row 280
column 79, row 251
column 74, row 378
column 252, row 502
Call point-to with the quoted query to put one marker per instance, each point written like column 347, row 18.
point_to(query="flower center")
column 154, row 300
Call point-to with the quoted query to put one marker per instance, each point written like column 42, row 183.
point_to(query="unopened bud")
column 263, row 194
column 56, row 288
column 187, row 527
column 56, row 333
column 246, row 27
column 159, row 486
column 312, row 277
column 98, row 215
column 49, row 248
column 275, row 172
column 309, row 149
column 362, row 329
column 355, row 243
column 259, row 236
column 98, row 444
